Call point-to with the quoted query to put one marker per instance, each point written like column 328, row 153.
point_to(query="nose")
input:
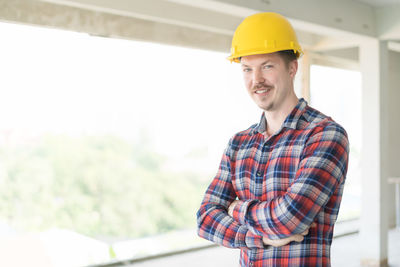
column 258, row 77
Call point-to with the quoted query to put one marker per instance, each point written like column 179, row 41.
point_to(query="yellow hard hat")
column 263, row 33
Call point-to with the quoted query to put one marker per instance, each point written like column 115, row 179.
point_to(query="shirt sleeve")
column 322, row 169
column 214, row 223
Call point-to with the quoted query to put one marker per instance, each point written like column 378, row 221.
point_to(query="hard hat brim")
column 236, row 58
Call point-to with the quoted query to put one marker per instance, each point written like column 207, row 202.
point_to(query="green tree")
column 101, row 186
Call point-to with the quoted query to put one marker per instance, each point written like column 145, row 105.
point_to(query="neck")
column 276, row 118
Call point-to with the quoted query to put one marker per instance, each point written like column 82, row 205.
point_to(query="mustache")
column 261, row 86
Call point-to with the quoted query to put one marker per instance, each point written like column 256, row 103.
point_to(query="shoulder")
column 324, row 128
column 244, row 136
column 248, row 132
column 316, row 119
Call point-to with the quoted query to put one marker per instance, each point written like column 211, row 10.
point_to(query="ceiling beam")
column 161, row 11
column 105, row 24
column 345, row 20
column 328, row 17
column 329, row 43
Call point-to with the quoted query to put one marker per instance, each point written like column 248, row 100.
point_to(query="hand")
column 287, row 240
column 232, row 207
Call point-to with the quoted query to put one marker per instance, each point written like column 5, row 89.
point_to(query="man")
column 277, row 192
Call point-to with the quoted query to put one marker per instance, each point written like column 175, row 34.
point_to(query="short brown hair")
column 287, row 56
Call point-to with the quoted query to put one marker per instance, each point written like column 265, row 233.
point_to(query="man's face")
column 268, row 80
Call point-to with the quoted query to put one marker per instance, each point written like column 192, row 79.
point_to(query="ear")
column 293, row 66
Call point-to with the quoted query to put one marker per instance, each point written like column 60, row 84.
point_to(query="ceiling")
column 322, row 24
column 380, row 3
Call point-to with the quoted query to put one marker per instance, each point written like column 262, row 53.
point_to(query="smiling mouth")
column 263, row 91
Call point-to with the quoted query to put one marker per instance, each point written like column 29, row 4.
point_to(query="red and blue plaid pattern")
column 284, row 184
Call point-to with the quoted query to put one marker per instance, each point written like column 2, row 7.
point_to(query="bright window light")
column 337, row 93
column 107, row 145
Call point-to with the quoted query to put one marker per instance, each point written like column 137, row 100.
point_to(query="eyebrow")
column 262, row 64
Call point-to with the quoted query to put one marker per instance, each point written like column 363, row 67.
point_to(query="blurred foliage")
column 101, row 186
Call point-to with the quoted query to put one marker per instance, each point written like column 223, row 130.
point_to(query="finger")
column 305, row 232
column 298, row 238
column 230, row 212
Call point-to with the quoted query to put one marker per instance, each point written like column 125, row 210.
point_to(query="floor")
column 344, row 253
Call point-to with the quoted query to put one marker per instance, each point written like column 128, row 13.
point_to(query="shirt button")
column 259, row 174
column 251, row 264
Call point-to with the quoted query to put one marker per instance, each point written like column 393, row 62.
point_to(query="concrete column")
column 394, row 126
column 375, row 156
column 305, row 76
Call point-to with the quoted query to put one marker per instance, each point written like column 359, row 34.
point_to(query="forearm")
column 273, row 242
column 215, row 225
column 275, row 219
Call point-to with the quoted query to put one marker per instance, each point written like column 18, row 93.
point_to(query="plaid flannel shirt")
column 284, row 183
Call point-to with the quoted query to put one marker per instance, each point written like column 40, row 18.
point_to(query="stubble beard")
column 267, row 103
column 261, row 105
column 266, row 107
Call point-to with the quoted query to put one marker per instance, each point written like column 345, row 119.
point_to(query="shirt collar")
column 291, row 121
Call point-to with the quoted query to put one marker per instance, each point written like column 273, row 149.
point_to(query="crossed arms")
column 252, row 223
column 274, row 242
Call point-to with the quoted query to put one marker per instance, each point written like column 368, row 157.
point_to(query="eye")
column 246, row 69
column 266, row 67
